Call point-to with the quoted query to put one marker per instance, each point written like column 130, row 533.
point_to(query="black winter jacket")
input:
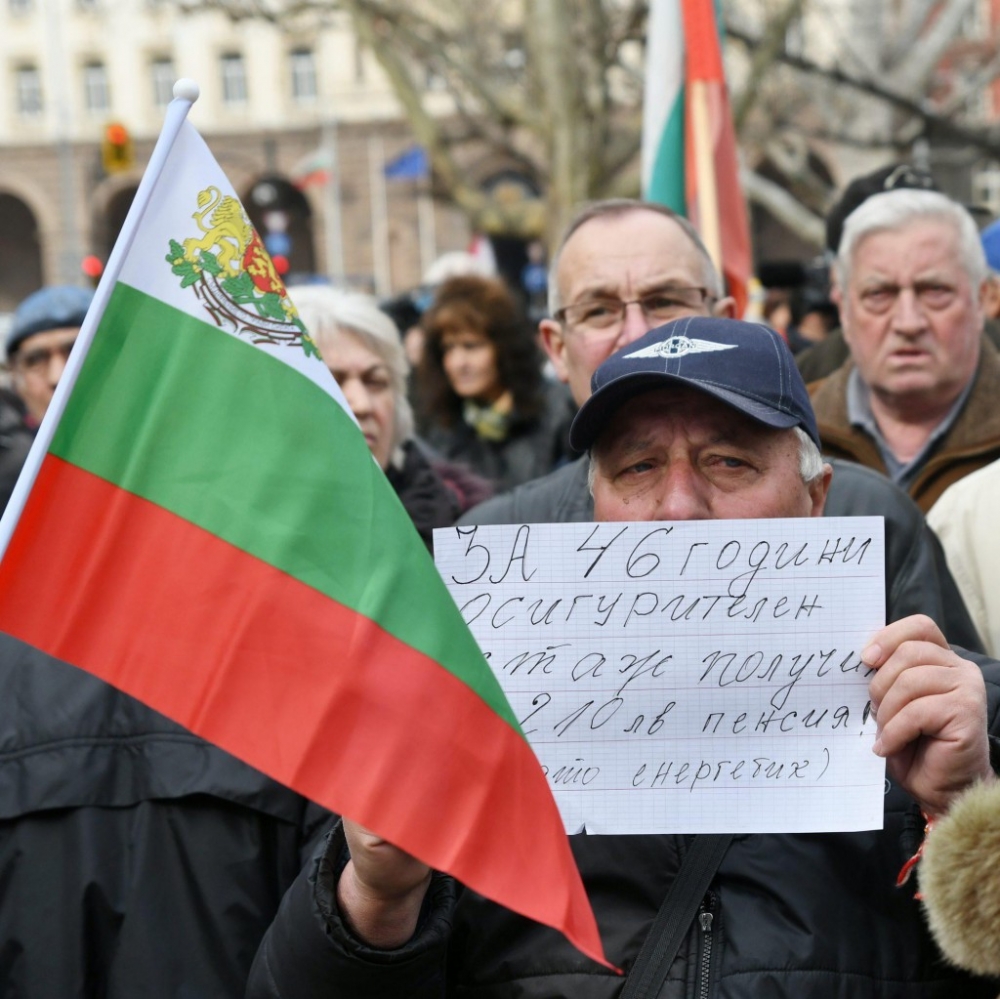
column 787, row 917
column 135, row 858
column 15, row 442
column 532, row 447
column 916, row 573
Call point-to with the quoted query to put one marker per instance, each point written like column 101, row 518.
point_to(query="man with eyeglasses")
column 917, row 399
column 40, row 338
column 624, row 267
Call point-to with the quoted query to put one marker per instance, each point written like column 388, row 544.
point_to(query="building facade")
column 303, row 124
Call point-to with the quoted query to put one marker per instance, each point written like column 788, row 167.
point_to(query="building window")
column 95, row 88
column 163, row 78
column 29, row 91
column 234, row 79
column 302, row 63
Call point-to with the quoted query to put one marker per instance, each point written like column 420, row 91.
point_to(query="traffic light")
column 117, row 154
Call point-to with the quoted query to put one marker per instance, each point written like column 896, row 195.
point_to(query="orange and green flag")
column 202, row 525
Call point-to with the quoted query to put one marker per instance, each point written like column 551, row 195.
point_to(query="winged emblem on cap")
column 678, row 346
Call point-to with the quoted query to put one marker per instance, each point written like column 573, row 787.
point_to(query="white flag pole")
column 185, row 94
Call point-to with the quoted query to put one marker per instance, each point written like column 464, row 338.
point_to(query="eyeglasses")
column 602, row 315
column 37, row 359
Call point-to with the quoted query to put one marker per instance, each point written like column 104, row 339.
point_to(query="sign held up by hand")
column 691, row 677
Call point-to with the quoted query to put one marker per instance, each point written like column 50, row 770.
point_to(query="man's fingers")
column 885, row 642
column 910, row 655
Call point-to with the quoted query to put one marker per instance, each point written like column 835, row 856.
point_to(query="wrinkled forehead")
column 628, row 254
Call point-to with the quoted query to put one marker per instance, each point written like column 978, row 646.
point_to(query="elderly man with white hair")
column 917, row 398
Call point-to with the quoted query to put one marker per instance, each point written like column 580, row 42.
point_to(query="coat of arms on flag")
column 235, row 277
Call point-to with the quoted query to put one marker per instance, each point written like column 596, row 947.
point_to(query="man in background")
column 40, row 338
column 917, row 398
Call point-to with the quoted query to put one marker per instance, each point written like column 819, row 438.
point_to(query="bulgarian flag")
column 202, row 525
column 689, row 160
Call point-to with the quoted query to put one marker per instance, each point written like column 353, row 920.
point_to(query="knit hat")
column 51, row 308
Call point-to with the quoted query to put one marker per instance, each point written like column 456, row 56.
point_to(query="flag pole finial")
column 186, row 90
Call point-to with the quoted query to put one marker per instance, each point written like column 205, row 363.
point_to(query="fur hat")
column 960, row 880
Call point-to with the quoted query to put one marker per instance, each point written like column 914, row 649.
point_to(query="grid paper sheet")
column 690, row 677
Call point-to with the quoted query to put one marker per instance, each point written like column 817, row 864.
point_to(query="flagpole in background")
column 707, row 192
column 425, row 227
column 334, row 224
column 186, row 92
column 381, row 251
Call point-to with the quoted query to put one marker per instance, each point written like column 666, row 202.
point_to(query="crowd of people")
column 180, row 854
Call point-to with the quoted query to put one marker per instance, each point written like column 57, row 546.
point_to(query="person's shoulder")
column 858, row 491
column 562, row 496
column 824, row 358
column 979, row 489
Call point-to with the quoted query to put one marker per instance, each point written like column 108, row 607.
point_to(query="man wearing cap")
column 626, row 266
column 917, row 398
column 701, row 418
column 41, row 335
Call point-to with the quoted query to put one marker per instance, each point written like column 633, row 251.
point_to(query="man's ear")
column 818, row 489
column 725, row 308
column 550, row 332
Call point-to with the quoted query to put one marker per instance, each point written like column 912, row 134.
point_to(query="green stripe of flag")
column 198, row 422
column 666, row 182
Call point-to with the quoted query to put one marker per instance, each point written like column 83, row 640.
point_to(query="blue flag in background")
column 411, row 164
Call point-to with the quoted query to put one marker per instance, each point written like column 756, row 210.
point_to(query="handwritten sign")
column 686, row 677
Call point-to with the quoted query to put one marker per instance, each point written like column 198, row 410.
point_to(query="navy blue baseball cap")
column 745, row 365
column 51, row 308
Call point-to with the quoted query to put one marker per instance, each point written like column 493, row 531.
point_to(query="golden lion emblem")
column 228, row 231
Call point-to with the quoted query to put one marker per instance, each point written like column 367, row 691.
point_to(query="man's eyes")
column 932, row 295
column 598, row 310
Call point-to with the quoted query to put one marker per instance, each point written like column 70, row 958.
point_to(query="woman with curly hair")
column 485, row 401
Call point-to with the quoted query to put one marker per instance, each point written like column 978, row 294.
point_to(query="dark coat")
column 135, row 858
column 792, row 917
column 15, row 442
column 533, row 447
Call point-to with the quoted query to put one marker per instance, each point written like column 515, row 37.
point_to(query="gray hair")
column 612, row 208
column 897, row 209
column 328, row 312
column 811, row 462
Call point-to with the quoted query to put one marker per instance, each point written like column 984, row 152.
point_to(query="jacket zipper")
column 706, row 919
